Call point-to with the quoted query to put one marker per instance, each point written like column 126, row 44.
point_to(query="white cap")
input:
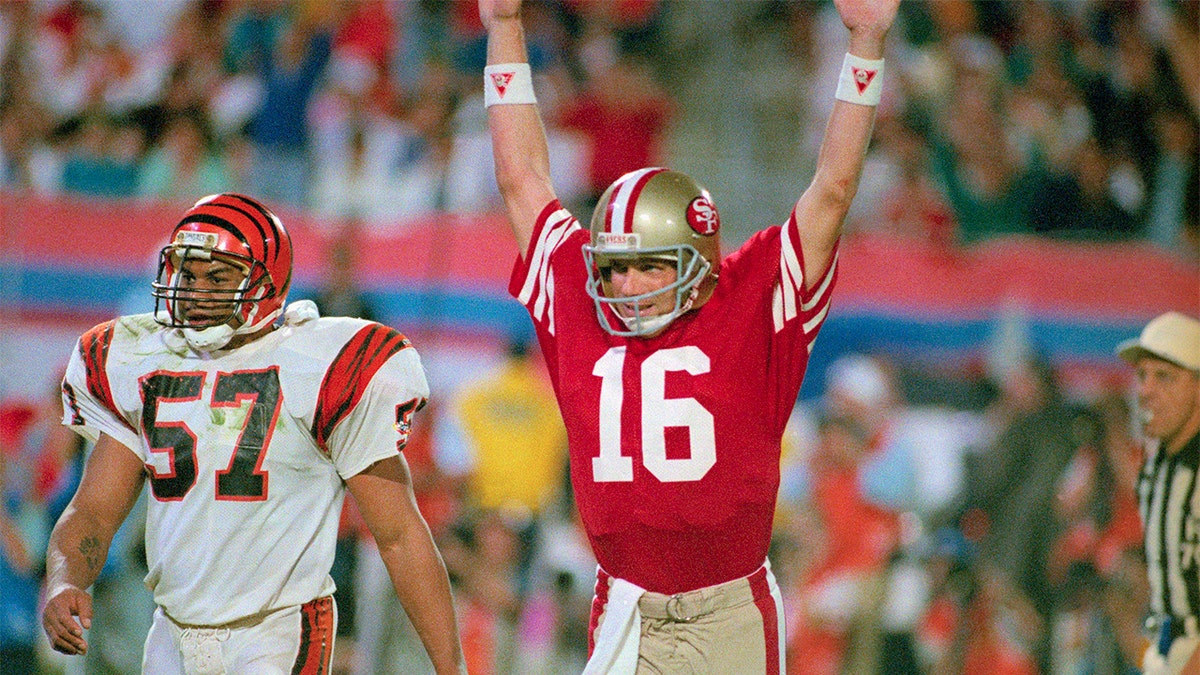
column 1171, row 337
column 859, row 378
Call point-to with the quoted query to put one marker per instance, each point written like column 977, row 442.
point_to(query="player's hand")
column 869, row 18
column 495, row 10
column 59, row 619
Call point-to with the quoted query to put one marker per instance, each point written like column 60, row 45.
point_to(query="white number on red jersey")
column 658, row 413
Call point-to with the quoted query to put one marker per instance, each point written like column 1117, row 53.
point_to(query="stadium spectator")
column 289, row 66
column 185, row 163
column 623, row 114
column 1014, row 483
column 103, row 160
column 509, row 419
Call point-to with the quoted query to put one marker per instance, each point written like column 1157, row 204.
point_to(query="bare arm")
column 385, row 499
column 1193, row 664
column 109, row 488
column 822, row 208
column 518, row 139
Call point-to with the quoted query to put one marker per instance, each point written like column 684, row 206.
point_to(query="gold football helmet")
column 652, row 213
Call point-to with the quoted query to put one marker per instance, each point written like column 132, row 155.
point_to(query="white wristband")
column 507, row 84
column 861, row 80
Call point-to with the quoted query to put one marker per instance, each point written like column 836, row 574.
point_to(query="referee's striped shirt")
column 1169, row 502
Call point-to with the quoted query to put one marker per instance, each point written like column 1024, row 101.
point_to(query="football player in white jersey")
column 249, row 420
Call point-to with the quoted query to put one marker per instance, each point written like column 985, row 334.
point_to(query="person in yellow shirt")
column 511, row 423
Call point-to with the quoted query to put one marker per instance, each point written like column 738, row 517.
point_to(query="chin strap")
column 653, row 324
column 214, row 338
column 208, row 339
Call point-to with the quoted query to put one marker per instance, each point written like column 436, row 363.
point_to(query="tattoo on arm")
column 89, row 548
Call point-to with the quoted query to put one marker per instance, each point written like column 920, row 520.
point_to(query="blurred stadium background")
column 957, row 487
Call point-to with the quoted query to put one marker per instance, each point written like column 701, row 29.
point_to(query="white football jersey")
column 246, row 450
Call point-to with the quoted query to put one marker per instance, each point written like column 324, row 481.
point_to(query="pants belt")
column 244, row 622
column 691, row 605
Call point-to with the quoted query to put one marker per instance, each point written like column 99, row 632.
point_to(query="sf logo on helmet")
column 702, row 216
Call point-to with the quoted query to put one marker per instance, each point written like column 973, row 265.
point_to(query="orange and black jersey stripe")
column 349, row 375
column 93, row 347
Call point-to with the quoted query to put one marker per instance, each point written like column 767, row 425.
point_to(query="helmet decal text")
column 618, row 241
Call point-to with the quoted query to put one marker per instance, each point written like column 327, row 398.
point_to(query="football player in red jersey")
column 676, row 367
column 249, row 420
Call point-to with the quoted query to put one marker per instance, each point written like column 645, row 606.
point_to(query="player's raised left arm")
column 822, row 208
column 384, row 495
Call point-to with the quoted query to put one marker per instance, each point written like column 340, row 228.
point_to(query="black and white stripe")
column 1169, row 501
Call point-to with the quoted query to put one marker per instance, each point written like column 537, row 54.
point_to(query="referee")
column 1167, row 359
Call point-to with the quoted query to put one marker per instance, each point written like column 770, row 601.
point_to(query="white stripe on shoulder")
column 777, row 308
column 553, row 239
column 823, row 289
column 789, row 261
column 550, row 312
column 541, row 253
column 814, row 322
column 791, row 280
column 545, row 279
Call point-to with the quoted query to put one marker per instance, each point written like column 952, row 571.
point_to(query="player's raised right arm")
column 79, row 544
column 518, row 140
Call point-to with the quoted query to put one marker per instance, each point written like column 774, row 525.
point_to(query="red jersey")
column 675, row 439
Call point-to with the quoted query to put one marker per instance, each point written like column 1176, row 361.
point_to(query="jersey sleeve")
column 367, row 399
column 532, row 281
column 795, row 303
column 89, row 408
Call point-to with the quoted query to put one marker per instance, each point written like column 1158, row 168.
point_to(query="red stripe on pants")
column 766, row 605
column 598, row 604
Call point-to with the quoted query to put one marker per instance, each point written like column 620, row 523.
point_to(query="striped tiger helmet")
column 653, row 213
column 241, row 232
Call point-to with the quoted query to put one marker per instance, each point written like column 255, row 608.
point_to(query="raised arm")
column 518, row 140
column 79, row 544
column 384, row 496
column 822, row 208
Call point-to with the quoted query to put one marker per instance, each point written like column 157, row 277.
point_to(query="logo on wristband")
column 501, row 80
column 862, row 78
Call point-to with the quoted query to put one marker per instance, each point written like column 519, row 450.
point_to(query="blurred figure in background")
column 341, row 294
column 1167, row 359
column 186, row 164
column 23, row 530
column 515, row 456
column 838, row 625
column 514, row 435
column 289, row 58
column 1014, row 483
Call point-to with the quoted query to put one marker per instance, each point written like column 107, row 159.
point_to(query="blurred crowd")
column 1074, row 119
column 929, row 522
